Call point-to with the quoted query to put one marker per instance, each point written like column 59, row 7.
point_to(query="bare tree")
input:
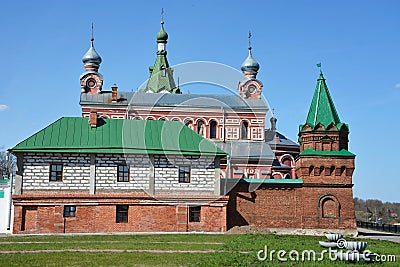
column 7, row 165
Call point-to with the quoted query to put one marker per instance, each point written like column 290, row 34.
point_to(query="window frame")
column 194, row 214
column 122, row 213
column 59, row 174
column 184, row 174
column 69, row 211
column 123, row 173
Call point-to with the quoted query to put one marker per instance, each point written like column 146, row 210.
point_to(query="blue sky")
column 42, row 43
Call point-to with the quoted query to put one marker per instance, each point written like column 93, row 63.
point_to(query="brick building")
column 117, row 176
column 247, row 173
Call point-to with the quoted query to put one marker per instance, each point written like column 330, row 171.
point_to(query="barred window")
column 123, row 173
column 184, row 174
column 56, row 172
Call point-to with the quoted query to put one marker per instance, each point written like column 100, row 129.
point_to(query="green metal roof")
column 341, row 153
column 75, row 135
column 322, row 109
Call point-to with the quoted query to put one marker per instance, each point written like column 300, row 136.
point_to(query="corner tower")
column 250, row 87
column 325, row 165
column 91, row 80
column 161, row 75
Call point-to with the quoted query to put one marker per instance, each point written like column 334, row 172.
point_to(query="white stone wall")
column 167, row 173
column 106, row 172
column 5, row 208
column 76, row 171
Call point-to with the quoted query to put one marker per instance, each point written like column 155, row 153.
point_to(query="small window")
column 122, row 213
column 184, row 174
column 56, row 172
column 194, row 214
column 123, row 173
column 69, row 211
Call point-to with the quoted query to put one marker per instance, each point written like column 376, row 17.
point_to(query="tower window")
column 244, row 130
column 213, row 129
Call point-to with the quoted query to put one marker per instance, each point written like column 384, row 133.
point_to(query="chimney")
column 114, row 90
column 93, row 119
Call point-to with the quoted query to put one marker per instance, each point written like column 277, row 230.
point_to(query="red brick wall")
column 102, row 218
column 289, row 207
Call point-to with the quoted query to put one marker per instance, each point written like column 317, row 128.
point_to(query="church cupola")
column 91, row 59
column 161, row 75
column 250, row 87
column 91, row 80
column 162, row 37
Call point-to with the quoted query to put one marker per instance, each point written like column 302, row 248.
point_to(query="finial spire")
column 92, row 39
column 249, row 40
column 162, row 15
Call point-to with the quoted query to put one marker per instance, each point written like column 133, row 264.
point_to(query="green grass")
column 230, row 250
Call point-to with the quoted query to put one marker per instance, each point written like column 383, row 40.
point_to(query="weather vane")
column 319, row 66
column 162, row 15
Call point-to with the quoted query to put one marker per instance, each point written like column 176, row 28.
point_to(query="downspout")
column 223, row 119
column 227, row 173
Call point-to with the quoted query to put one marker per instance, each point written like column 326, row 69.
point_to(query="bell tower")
column 91, row 80
column 325, row 165
column 250, row 87
column 161, row 74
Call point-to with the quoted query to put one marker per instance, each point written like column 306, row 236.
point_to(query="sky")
column 357, row 42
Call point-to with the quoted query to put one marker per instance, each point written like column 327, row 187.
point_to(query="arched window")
column 287, row 176
column 244, row 130
column 200, row 127
column 161, row 119
column 310, row 169
column 287, row 161
column 189, row 123
column 213, row 129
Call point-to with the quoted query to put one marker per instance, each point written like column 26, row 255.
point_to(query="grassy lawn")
column 169, row 250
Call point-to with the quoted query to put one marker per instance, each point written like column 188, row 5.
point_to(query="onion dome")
column 162, row 35
column 250, row 64
column 91, row 56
